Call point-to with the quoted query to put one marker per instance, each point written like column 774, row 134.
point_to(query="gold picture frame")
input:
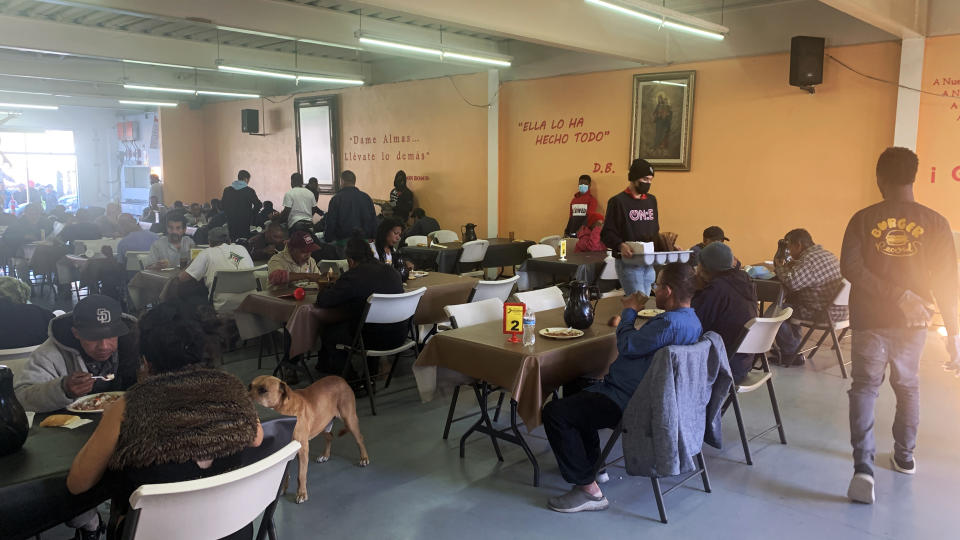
column 663, row 119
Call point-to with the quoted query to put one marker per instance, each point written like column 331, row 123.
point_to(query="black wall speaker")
column 250, row 120
column 806, row 61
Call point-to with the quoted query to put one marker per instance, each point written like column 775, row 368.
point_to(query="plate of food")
column 649, row 313
column 561, row 333
column 94, row 403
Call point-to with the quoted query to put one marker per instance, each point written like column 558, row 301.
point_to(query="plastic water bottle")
column 529, row 327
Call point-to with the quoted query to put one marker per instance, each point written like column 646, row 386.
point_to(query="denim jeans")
column 635, row 277
column 789, row 335
column 873, row 350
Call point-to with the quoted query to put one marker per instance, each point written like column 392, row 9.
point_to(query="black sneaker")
column 905, row 467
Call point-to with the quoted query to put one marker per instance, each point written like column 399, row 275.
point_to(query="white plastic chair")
column 541, row 250
column 135, row 259
column 208, row 508
column 825, row 323
column 461, row 316
column 472, row 255
column 609, row 268
column 542, row 299
column 759, row 338
column 16, row 359
column 385, row 309
column 443, row 236
column 552, row 241
column 229, row 283
column 499, row 289
column 416, row 240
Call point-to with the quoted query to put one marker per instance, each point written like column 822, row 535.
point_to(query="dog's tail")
column 342, row 432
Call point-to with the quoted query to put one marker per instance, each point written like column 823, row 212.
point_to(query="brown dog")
column 315, row 408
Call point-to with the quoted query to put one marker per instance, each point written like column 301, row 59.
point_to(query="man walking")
column 899, row 256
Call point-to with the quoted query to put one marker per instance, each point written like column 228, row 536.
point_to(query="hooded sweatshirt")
column 631, row 219
column 582, row 205
column 723, row 306
column 240, row 204
column 39, row 386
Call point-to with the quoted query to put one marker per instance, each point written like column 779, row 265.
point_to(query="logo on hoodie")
column 644, row 215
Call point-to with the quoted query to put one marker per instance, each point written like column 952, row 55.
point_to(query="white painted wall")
column 95, row 140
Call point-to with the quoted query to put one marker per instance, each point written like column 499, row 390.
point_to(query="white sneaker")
column 861, row 488
column 903, row 467
column 603, row 478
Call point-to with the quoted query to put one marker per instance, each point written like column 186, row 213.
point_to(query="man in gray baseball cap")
column 96, row 340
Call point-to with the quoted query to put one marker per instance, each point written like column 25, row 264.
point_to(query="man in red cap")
column 294, row 263
column 588, row 237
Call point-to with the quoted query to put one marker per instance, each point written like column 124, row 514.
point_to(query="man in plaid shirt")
column 811, row 279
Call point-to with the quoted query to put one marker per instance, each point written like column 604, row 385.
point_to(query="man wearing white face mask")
column 582, row 205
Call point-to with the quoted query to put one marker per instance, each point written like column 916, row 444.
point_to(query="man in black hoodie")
column 350, row 210
column 240, row 204
column 726, row 302
column 632, row 217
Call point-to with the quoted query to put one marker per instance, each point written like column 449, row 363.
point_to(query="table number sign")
column 513, row 320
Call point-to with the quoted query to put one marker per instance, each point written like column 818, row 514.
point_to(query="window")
column 318, row 140
column 45, row 159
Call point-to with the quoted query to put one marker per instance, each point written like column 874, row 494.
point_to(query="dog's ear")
column 284, row 389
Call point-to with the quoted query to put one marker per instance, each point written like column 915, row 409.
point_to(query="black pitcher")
column 13, row 421
column 469, row 232
column 579, row 311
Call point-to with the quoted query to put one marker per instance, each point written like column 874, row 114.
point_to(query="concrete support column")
column 493, row 153
column 908, row 101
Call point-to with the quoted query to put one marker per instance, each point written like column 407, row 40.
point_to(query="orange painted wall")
column 429, row 117
column 938, row 140
column 766, row 157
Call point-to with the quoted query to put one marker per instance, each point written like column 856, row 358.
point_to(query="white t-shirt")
column 300, row 201
column 214, row 259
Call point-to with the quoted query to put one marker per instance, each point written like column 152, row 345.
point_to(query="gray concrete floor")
column 418, row 487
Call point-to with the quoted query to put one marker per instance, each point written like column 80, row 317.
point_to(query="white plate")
column 649, row 313
column 574, row 333
column 418, row 274
column 73, row 406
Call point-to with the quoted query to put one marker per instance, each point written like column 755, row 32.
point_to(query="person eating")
column 174, row 248
column 294, row 263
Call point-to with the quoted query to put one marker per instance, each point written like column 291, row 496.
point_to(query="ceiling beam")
column 567, row 24
column 904, row 18
column 97, row 42
column 281, row 18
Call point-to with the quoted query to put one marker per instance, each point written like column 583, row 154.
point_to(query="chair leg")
column 836, row 343
column 453, row 406
column 816, row 349
column 370, row 388
column 496, row 414
column 260, row 354
column 776, row 411
column 806, row 337
column 659, row 495
column 393, row 367
column 743, row 431
column 843, row 334
column 703, row 473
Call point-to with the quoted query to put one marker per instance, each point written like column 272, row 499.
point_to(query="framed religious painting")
column 663, row 119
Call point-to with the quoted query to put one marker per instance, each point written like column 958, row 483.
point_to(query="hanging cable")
column 885, row 81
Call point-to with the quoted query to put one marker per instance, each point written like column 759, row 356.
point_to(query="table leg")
column 523, row 443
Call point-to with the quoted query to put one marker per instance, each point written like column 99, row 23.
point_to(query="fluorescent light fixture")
column 26, row 106
column 255, row 33
column 662, row 17
column 329, row 44
column 477, row 59
column 260, row 72
column 329, row 80
column 145, row 63
column 671, row 83
column 149, row 103
column 25, row 92
column 226, row 94
column 399, row 46
column 159, row 89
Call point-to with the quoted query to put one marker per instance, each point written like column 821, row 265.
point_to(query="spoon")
column 109, row 377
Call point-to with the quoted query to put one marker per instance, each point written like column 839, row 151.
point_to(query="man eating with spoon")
column 91, row 350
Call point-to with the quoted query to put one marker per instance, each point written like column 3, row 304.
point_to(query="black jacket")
column 630, row 219
column 402, row 201
column 24, row 325
column 350, row 209
column 351, row 291
column 724, row 306
column 241, row 207
column 423, row 227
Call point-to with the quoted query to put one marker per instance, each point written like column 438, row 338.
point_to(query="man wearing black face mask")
column 632, row 217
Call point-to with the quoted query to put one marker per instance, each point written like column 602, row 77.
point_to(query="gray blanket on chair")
column 676, row 408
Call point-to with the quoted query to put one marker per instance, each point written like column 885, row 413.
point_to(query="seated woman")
column 366, row 276
column 588, row 237
column 180, row 422
column 389, row 233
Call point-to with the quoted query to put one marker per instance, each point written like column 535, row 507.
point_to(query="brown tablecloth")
column 442, row 290
column 528, row 373
column 146, row 286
